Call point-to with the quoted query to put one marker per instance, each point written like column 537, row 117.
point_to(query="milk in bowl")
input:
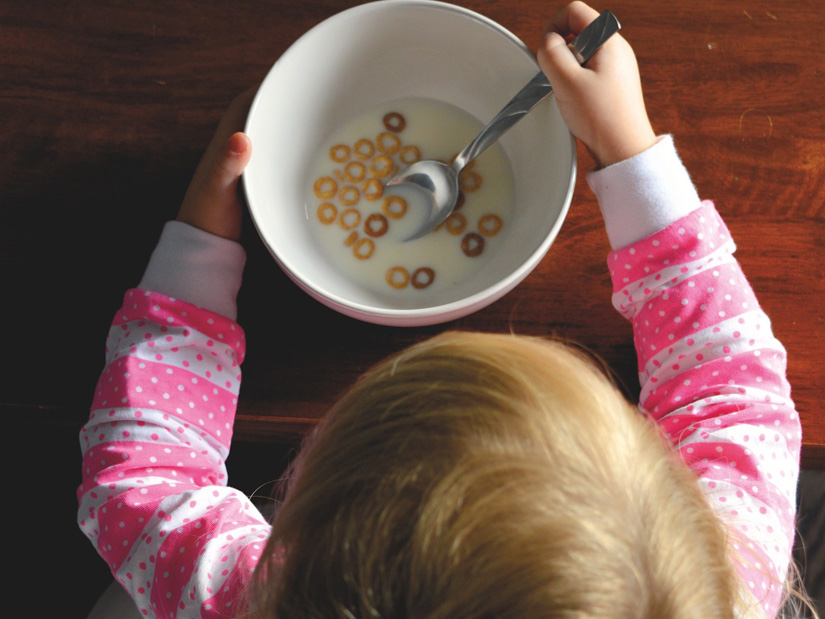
column 361, row 226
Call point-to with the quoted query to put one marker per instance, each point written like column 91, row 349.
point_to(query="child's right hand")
column 601, row 103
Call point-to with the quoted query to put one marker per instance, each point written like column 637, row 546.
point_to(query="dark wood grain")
column 107, row 107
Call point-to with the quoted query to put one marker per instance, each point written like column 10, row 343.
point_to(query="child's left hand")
column 211, row 203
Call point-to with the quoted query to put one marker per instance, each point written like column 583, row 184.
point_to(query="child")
column 471, row 475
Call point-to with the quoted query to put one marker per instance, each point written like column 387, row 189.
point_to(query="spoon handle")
column 584, row 46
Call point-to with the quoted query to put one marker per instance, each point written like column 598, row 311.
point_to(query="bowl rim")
column 433, row 314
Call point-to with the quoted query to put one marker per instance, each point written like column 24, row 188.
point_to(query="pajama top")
column 154, row 498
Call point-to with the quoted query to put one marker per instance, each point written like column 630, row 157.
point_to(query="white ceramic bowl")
column 379, row 52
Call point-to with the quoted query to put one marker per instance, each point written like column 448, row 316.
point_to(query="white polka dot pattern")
column 713, row 377
column 154, row 498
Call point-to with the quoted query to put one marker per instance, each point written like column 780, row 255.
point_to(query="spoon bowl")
column 438, row 182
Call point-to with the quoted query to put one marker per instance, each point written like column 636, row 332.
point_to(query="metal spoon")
column 439, row 181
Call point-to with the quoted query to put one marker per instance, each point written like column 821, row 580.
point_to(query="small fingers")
column 237, row 152
column 557, row 60
column 227, row 167
column 572, row 19
column 211, row 202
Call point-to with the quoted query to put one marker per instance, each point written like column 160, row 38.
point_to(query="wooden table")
column 107, row 107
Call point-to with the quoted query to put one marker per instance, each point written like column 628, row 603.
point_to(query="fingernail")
column 237, row 144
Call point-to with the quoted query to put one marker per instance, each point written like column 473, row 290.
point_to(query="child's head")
column 497, row 476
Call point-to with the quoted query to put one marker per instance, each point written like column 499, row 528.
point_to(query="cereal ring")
column 349, row 218
column 395, row 122
column 376, row 225
column 410, row 154
column 372, row 189
column 470, row 181
column 349, row 195
column 456, row 223
column 423, row 277
column 339, row 153
column 364, row 149
column 351, row 238
column 363, row 248
column 388, row 143
column 394, row 207
column 339, row 176
column 489, row 224
column 327, row 213
column 355, row 171
column 325, row 187
column 398, row 277
column 472, row 244
column 381, row 166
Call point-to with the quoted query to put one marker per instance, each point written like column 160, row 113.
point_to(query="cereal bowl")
column 443, row 71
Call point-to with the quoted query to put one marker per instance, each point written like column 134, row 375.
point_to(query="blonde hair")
column 478, row 475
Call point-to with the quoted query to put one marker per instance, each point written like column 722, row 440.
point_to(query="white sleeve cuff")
column 643, row 194
column 197, row 267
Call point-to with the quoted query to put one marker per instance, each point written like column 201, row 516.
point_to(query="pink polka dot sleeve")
column 713, row 378
column 153, row 498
